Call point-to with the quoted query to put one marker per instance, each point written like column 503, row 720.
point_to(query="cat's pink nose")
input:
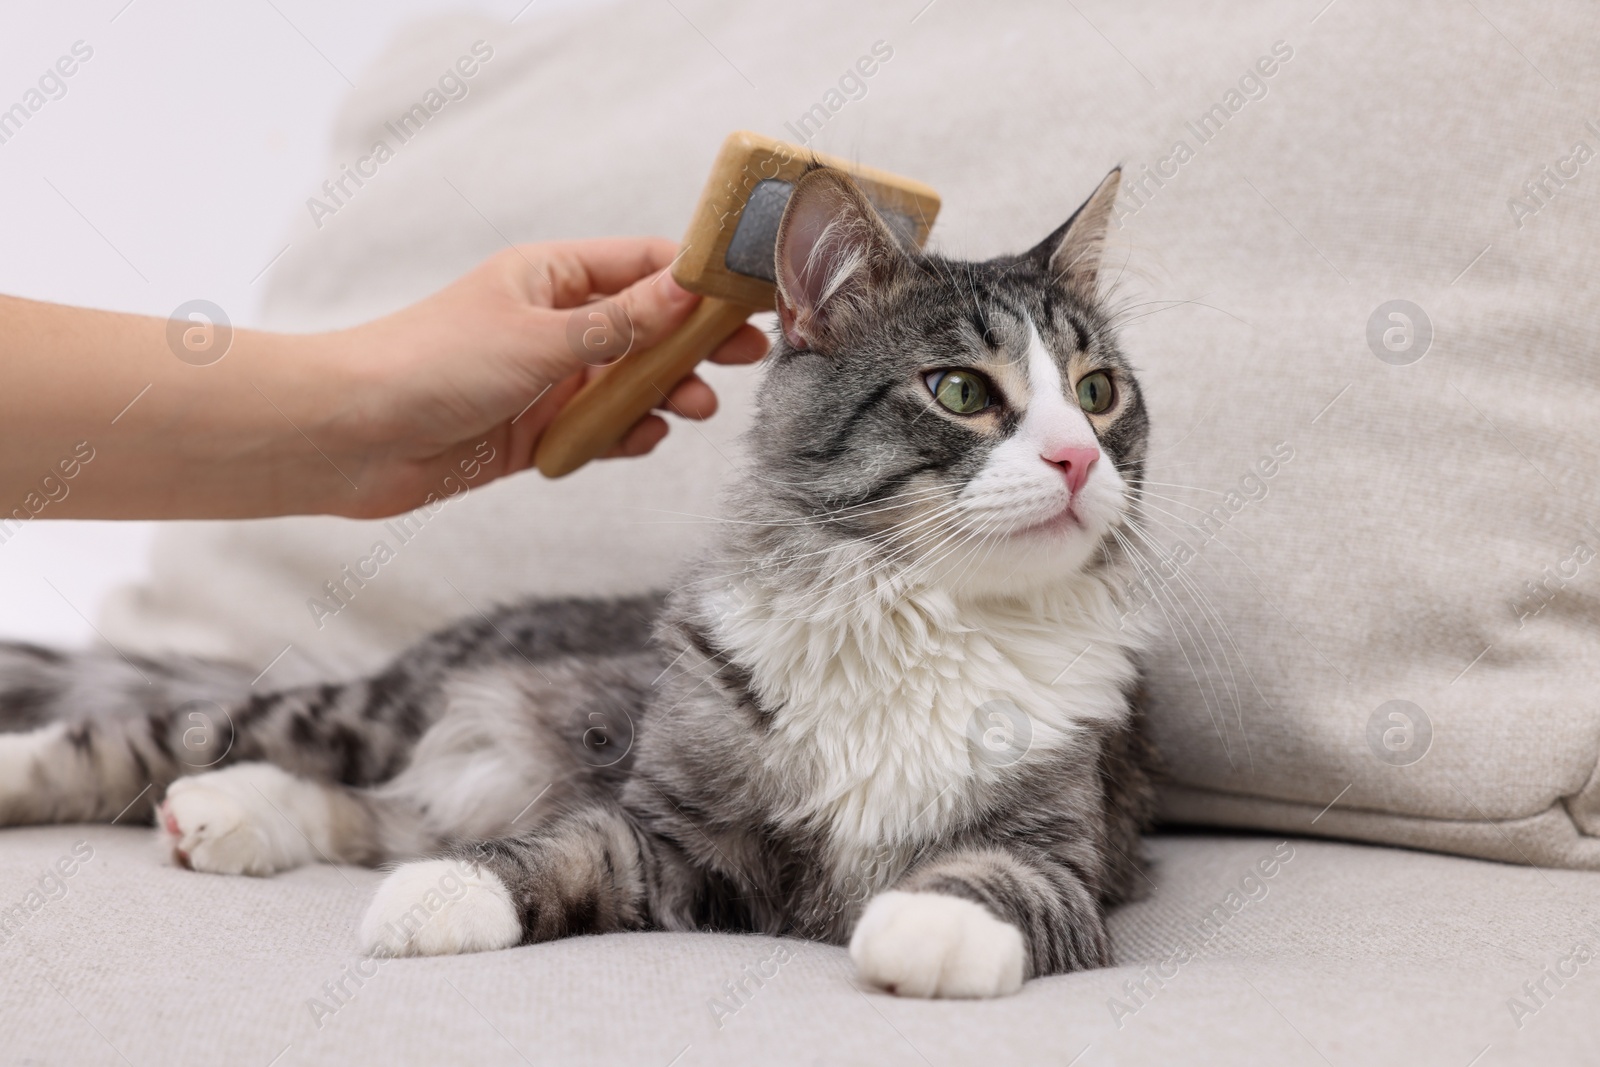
column 1075, row 463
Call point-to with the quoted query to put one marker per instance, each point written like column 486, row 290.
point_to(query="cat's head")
column 976, row 420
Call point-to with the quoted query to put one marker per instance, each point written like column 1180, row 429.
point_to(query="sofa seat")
column 1342, row 954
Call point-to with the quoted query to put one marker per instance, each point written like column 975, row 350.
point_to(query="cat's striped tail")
column 91, row 736
column 96, row 737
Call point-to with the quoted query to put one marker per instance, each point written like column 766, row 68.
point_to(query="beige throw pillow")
column 1359, row 254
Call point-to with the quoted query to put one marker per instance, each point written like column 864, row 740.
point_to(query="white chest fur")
column 898, row 710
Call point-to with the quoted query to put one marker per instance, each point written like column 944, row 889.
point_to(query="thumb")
column 651, row 308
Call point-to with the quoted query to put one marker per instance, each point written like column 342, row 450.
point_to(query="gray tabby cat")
column 893, row 708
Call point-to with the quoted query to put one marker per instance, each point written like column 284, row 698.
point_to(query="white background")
column 167, row 172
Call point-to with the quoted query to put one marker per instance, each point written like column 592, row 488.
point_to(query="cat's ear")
column 833, row 249
column 1072, row 254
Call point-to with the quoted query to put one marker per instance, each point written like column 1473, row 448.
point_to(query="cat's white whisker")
column 753, row 564
column 1208, row 695
column 1205, row 599
column 878, row 506
column 1203, row 605
column 1176, row 485
column 1205, row 535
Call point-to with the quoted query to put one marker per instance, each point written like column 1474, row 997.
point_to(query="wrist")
column 319, row 409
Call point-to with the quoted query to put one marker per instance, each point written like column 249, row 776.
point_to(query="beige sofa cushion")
column 1349, row 954
column 1366, row 499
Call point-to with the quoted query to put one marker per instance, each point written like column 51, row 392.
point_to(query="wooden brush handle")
column 606, row 408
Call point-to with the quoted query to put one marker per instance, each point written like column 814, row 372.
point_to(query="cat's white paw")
column 933, row 945
column 236, row 820
column 439, row 908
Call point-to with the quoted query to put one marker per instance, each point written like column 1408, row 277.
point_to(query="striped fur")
column 796, row 741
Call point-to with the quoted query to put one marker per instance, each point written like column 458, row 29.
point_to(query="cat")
column 894, row 707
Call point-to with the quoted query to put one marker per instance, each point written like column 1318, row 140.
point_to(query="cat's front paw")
column 226, row 822
column 439, row 908
column 933, row 945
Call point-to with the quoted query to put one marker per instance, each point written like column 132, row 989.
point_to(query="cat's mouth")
column 1063, row 521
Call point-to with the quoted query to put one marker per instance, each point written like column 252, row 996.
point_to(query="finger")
column 529, row 425
column 652, row 308
column 644, row 436
column 691, row 398
column 577, row 270
column 747, row 345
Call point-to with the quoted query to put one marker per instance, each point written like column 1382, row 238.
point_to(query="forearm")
column 112, row 416
column 102, row 418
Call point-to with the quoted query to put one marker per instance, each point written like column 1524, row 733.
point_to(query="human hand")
column 462, row 384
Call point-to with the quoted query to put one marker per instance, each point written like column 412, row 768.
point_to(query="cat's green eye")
column 959, row 391
column 1094, row 392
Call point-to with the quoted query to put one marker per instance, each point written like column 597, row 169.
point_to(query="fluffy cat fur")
column 893, row 707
